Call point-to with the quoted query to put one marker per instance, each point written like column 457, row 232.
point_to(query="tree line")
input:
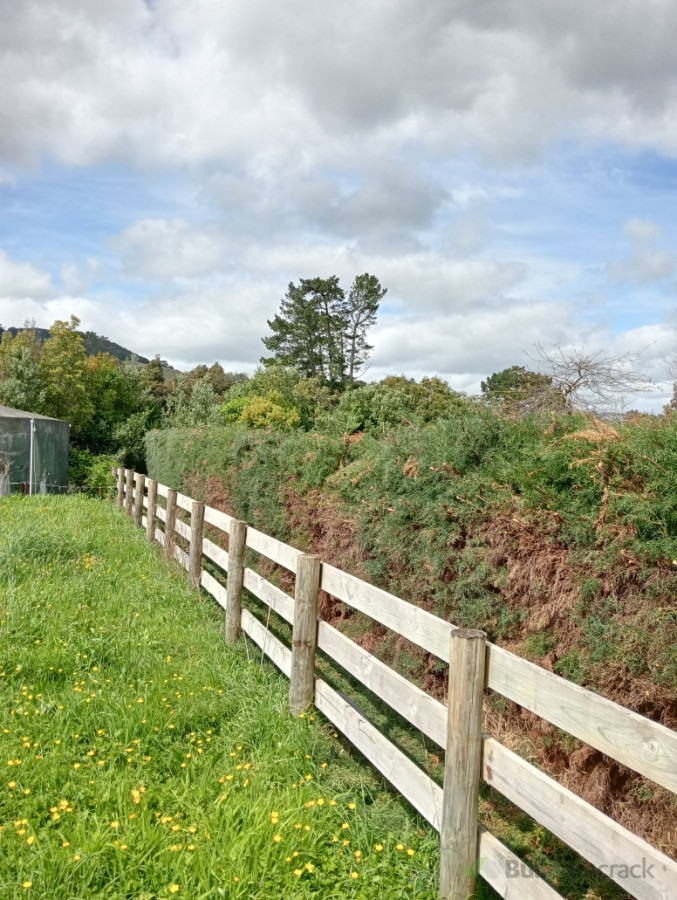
column 318, row 349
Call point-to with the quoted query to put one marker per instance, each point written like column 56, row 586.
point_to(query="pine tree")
column 359, row 314
column 321, row 332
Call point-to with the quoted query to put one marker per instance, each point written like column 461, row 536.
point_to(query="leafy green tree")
column 63, row 370
column 22, row 387
column 394, row 401
column 308, row 396
column 508, row 384
column 116, row 391
column 518, row 391
column 153, row 379
column 272, row 410
column 129, row 437
column 222, row 381
column 26, row 339
column 192, row 406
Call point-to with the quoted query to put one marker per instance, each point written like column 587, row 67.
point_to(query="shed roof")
column 8, row 412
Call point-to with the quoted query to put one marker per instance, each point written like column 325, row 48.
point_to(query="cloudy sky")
column 507, row 168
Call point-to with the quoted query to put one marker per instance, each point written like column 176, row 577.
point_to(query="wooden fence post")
column 170, row 524
column 302, row 687
column 150, row 512
column 138, row 500
column 121, row 486
column 459, row 865
column 129, row 490
column 197, row 518
column 237, row 540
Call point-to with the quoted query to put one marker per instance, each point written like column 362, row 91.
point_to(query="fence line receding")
column 647, row 747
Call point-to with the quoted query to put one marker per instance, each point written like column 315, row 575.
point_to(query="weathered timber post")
column 138, row 500
column 237, row 540
column 129, row 490
column 170, row 524
column 302, row 687
column 121, row 486
column 150, row 512
column 197, row 518
column 458, row 831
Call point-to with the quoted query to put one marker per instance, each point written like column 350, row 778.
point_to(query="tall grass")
column 143, row 758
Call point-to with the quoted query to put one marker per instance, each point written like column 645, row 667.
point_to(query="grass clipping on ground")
column 144, row 758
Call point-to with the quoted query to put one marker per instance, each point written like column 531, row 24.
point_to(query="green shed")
column 33, row 453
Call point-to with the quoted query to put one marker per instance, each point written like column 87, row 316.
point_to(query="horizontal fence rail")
column 639, row 743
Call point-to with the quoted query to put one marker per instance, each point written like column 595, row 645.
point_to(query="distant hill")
column 94, row 343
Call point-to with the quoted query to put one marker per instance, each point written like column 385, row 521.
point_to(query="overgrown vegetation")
column 555, row 533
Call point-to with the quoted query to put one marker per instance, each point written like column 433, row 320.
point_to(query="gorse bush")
column 481, row 518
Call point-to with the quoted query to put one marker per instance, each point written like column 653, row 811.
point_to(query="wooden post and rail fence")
column 467, row 849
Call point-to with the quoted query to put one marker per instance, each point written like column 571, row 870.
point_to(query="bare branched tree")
column 587, row 381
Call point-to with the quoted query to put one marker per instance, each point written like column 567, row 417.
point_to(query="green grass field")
column 143, row 758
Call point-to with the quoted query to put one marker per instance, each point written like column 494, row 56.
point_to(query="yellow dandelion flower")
column 30, row 840
column 346, row 825
column 277, row 838
column 27, row 885
column 66, row 844
column 115, row 824
column 410, row 852
column 298, row 872
column 77, row 857
column 174, row 888
column 354, row 874
column 310, row 867
column 351, row 806
column 11, row 785
column 400, row 847
column 378, row 847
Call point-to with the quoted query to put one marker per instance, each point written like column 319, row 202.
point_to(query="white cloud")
column 169, row 84
column 167, row 249
column 321, row 139
column 647, row 261
column 18, row 280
